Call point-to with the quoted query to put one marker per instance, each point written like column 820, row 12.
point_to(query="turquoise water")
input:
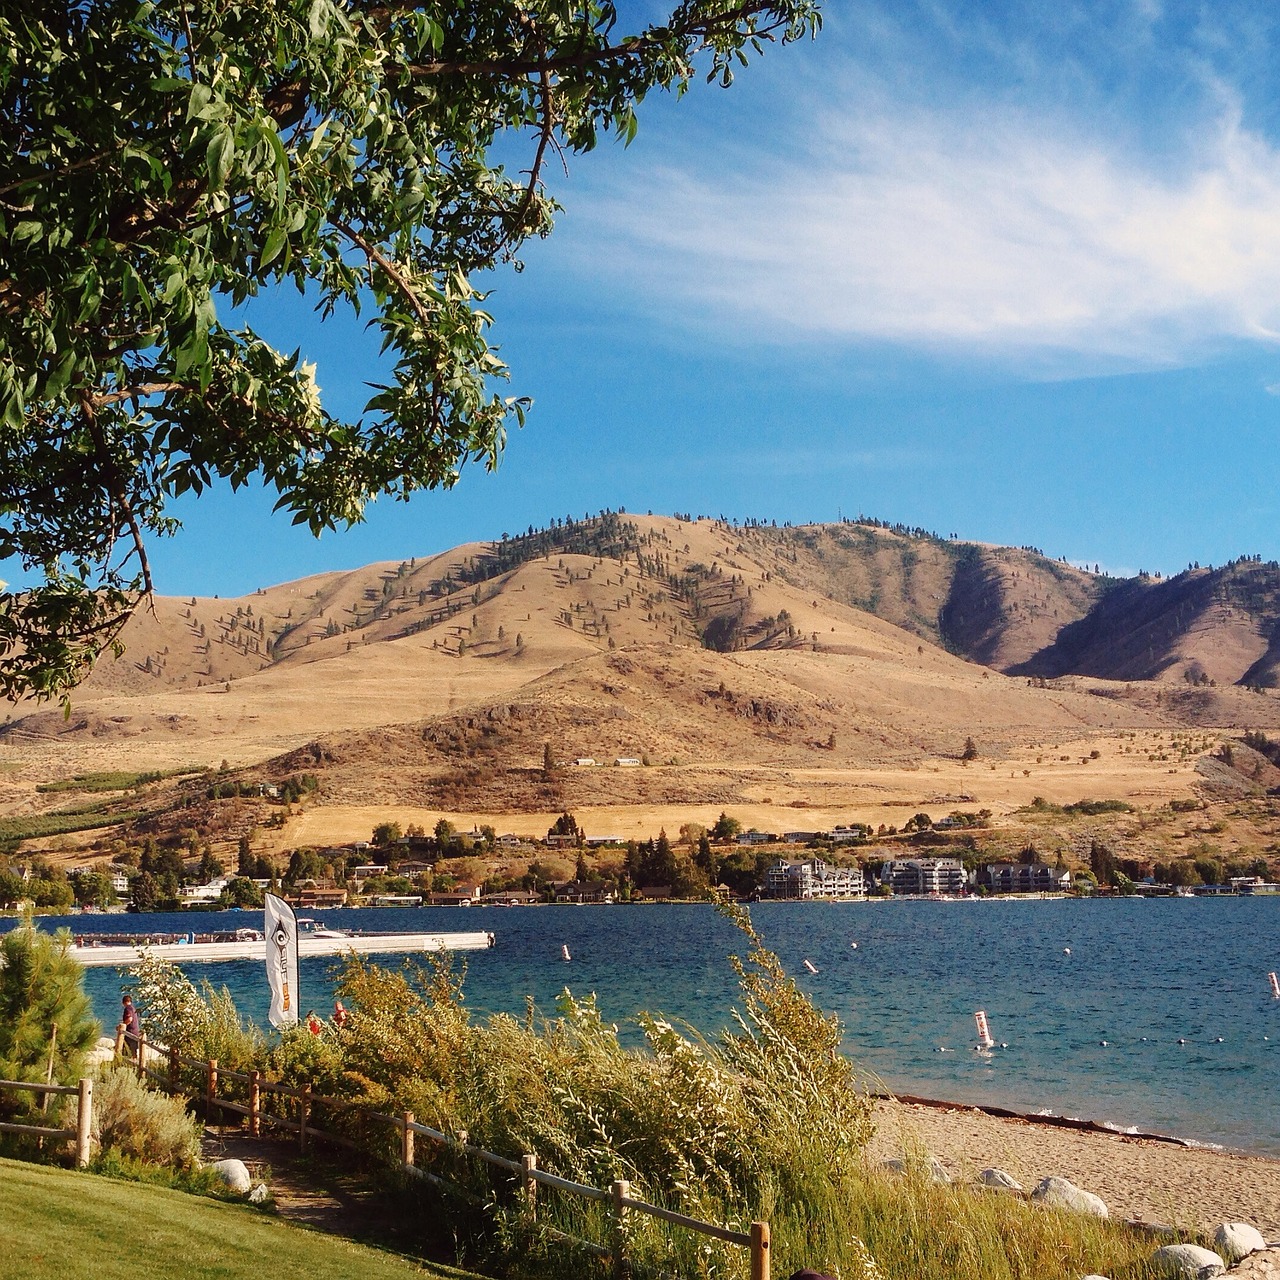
column 1142, row 974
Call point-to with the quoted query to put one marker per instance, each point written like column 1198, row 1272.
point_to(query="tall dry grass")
column 767, row 1121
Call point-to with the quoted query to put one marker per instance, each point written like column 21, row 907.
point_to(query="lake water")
column 1142, row 975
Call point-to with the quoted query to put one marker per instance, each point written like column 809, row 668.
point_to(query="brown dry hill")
column 718, row 646
column 1205, row 625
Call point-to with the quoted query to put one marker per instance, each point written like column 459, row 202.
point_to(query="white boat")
column 314, row 939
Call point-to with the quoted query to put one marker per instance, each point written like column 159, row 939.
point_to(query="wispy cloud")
column 977, row 230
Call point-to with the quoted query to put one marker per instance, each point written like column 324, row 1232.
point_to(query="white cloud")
column 981, row 231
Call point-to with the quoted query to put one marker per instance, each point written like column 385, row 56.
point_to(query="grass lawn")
column 59, row 1225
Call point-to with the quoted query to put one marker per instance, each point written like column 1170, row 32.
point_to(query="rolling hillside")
column 679, row 640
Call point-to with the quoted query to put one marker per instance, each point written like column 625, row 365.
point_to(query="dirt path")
column 323, row 1196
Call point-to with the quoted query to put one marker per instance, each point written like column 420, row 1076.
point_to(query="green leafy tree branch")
column 163, row 164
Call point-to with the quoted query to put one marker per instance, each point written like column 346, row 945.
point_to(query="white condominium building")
column 813, row 878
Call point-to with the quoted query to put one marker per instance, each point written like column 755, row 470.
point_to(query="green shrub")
column 200, row 1022
column 137, row 1122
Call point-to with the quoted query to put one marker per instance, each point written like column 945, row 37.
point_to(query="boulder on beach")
column 1060, row 1193
column 928, row 1166
column 233, row 1173
column 1238, row 1240
column 999, row 1179
column 1186, row 1262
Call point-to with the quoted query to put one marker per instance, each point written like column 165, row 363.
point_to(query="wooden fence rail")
column 83, row 1131
column 165, row 1068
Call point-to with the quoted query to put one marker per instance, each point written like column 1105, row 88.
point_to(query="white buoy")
column 1275, row 986
column 564, row 951
column 810, row 966
column 1102, row 1044
column 984, row 1032
column 1066, row 951
column 854, row 945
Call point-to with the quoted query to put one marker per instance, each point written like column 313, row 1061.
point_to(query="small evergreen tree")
column 45, row 1016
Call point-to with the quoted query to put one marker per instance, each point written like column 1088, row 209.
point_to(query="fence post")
column 173, row 1068
column 304, row 1115
column 210, row 1089
column 84, row 1122
column 406, row 1139
column 255, row 1102
column 759, row 1251
column 119, row 1041
column 621, row 1266
column 528, row 1184
column 142, row 1055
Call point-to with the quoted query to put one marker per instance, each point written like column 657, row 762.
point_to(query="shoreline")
column 1053, row 1120
column 1150, row 1180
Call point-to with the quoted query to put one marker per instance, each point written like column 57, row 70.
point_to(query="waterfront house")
column 465, row 895
column 584, row 891
column 1253, row 885
column 191, row 895
column 510, row 898
column 317, row 896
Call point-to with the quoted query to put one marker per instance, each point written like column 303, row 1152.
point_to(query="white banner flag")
column 281, row 928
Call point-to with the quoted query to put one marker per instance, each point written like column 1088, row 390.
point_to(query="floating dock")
column 194, row 949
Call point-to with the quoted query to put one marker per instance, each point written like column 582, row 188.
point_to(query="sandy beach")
column 1190, row 1187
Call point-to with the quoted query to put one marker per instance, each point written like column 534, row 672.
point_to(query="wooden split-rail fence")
column 165, row 1066
column 82, row 1092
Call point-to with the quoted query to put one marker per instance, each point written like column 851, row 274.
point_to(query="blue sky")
column 1005, row 270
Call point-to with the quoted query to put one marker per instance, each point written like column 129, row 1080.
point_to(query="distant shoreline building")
column 1023, row 877
column 922, row 877
column 813, row 878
